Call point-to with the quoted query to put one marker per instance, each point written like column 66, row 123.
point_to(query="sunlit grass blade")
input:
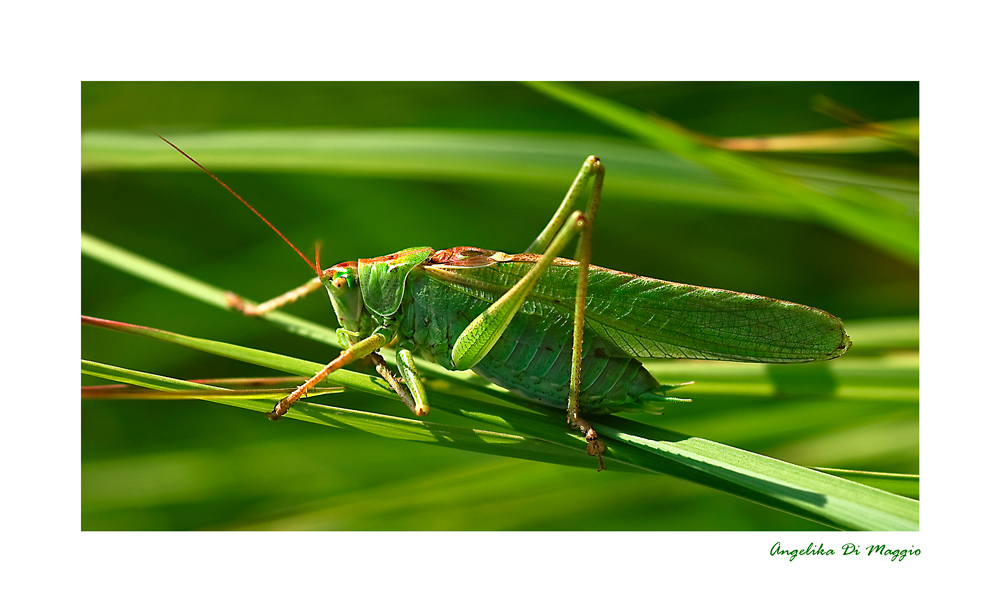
column 225, row 389
column 907, row 485
column 244, row 387
column 874, row 335
column 530, row 159
column 143, row 268
column 821, row 497
column 462, row 438
column 483, row 407
column 352, row 380
column 857, row 213
column 890, row 377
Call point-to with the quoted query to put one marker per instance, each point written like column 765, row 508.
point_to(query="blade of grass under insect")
column 535, row 159
column 887, row 377
column 857, row 213
column 352, row 380
column 463, row 438
column 128, row 392
column 252, row 388
column 492, row 410
column 826, row 499
column 907, row 485
column 857, row 412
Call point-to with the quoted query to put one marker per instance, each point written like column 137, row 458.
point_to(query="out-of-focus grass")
column 191, row 465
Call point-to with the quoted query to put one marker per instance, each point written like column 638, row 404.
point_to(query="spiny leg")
column 566, row 207
column 591, row 167
column 482, row 334
column 372, row 343
column 407, row 386
column 238, row 303
column 594, row 445
column 394, row 381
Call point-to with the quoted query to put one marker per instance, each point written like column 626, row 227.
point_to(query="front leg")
column 379, row 338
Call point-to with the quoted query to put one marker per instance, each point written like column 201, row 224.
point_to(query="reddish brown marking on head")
column 336, row 273
column 315, row 268
column 333, row 271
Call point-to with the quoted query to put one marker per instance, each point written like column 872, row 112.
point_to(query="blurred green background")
column 480, row 164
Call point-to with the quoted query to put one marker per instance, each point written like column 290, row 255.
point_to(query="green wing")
column 646, row 317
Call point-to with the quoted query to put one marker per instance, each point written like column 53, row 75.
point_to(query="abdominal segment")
column 535, row 363
column 532, row 357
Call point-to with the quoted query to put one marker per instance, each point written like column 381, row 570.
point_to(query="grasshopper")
column 559, row 332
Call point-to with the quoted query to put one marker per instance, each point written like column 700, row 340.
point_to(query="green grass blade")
column 821, row 497
column 529, row 159
column 907, row 485
column 347, row 378
column 143, row 268
column 880, row 335
column 461, row 438
column 857, row 212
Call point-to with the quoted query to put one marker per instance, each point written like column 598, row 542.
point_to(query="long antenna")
column 315, row 267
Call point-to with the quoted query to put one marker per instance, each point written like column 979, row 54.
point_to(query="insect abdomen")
column 532, row 357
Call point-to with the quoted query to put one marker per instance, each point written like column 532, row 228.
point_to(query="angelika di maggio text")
column 895, row 554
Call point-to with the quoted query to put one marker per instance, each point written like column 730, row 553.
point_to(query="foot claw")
column 596, row 447
column 278, row 411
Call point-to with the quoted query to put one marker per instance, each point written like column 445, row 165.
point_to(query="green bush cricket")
column 559, row 332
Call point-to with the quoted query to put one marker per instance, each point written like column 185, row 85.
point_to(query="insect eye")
column 340, row 283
